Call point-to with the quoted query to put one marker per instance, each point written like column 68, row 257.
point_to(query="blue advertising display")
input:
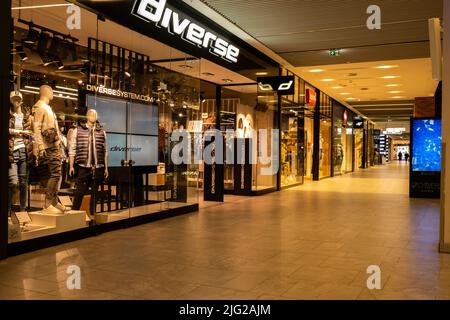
column 426, row 148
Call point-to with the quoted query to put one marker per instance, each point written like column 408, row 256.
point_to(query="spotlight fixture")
column 59, row 65
column 31, row 38
column 22, row 54
column 127, row 74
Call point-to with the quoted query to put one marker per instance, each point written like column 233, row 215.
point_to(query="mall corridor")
column 311, row 242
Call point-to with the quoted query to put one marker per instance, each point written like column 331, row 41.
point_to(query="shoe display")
column 52, row 210
column 62, row 208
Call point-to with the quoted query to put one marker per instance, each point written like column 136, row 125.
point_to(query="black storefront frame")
column 15, row 248
column 5, row 64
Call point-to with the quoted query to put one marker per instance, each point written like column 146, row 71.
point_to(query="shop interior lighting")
column 316, row 70
column 56, row 96
column 390, row 77
column 327, row 80
column 395, row 92
column 42, row 6
column 55, row 91
column 386, row 67
column 69, row 89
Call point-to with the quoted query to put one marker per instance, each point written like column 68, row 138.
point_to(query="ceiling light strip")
column 43, row 6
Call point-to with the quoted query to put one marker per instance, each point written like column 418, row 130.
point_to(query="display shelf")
column 63, row 222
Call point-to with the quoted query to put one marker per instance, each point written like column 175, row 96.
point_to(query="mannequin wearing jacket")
column 88, row 159
column 20, row 150
column 46, row 148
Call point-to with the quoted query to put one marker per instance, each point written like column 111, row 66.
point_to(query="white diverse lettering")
column 177, row 27
column 165, row 22
column 157, row 6
column 221, row 47
column 195, row 34
column 209, row 37
column 157, row 12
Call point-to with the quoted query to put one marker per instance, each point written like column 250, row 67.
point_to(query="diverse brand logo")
column 125, row 149
column 118, row 93
column 156, row 11
column 281, row 85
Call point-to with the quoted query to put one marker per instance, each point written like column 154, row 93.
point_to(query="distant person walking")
column 406, row 156
column 400, row 156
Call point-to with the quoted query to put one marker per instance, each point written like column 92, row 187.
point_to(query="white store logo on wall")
column 283, row 87
column 156, row 11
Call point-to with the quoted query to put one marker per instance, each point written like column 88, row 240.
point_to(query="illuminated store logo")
column 118, row 93
column 281, row 85
column 156, row 11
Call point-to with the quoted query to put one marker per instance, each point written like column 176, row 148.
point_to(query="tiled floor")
column 312, row 242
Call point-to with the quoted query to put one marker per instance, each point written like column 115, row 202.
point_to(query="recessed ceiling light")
column 316, row 70
column 337, row 87
column 390, row 77
column 393, row 85
column 327, row 80
column 227, row 80
column 398, row 97
column 395, row 92
column 208, row 74
column 344, row 93
column 386, row 67
column 262, row 73
column 352, row 99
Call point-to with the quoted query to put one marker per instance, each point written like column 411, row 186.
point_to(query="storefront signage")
column 117, row 93
column 394, row 131
column 358, row 123
column 311, row 97
column 281, row 85
column 155, row 11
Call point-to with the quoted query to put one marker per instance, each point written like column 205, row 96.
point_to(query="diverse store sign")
column 156, row 12
column 117, row 93
column 282, row 85
column 394, row 131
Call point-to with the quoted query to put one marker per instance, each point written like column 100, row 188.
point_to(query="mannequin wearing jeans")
column 47, row 147
column 87, row 150
column 19, row 153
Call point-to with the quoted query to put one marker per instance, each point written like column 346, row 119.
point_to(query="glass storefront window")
column 91, row 118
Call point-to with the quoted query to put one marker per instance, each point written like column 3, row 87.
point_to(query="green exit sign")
column 334, row 52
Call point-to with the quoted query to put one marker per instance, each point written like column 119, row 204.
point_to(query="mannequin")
column 88, row 158
column 19, row 150
column 47, row 149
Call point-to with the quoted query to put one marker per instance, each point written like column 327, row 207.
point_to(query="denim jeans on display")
column 18, row 178
column 53, row 159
